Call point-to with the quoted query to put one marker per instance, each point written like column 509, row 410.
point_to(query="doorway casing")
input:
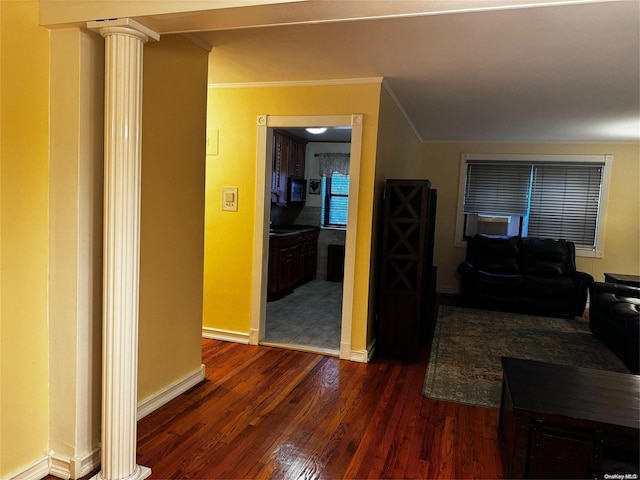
column 266, row 124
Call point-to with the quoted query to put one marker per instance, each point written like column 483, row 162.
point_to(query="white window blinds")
column 497, row 188
column 565, row 201
column 336, row 200
column 556, row 200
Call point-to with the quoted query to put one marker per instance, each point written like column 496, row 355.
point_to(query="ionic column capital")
column 123, row 26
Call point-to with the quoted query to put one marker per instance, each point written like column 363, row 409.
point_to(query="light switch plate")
column 230, row 199
column 212, row 141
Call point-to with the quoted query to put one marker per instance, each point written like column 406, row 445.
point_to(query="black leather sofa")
column 614, row 318
column 528, row 275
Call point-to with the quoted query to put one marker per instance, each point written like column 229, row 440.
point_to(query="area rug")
column 465, row 366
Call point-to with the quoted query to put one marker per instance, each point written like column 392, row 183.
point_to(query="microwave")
column 296, row 190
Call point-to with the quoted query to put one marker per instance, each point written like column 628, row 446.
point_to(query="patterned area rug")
column 467, row 345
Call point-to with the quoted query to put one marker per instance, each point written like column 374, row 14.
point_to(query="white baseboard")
column 65, row 468
column 363, row 356
column 37, row 470
column 448, row 291
column 225, row 335
column 158, row 399
column 78, row 467
column 60, row 467
column 81, row 467
column 254, row 338
column 360, row 356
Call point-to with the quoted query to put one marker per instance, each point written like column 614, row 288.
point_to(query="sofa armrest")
column 618, row 289
column 466, row 268
column 581, row 280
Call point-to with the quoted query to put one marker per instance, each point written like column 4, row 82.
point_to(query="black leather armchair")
column 614, row 318
column 529, row 275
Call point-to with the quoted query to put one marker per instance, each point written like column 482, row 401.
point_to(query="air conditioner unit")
column 493, row 225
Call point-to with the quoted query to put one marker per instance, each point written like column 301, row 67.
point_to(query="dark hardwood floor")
column 265, row 412
column 271, row 413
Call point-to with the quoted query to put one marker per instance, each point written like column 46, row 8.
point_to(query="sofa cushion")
column 543, row 257
column 633, row 329
column 548, row 287
column 626, row 310
column 631, row 300
column 499, row 288
column 500, row 281
column 542, row 269
column 623, row 318
column 494, row 254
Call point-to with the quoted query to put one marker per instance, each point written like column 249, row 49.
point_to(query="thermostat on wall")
column 230, row 199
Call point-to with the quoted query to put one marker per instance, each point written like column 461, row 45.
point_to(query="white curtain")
column 333, row 162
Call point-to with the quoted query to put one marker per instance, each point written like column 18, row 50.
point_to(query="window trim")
column 607, row 159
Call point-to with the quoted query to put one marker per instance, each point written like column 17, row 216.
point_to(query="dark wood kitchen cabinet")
column 309, row 255
column 293, row 260
column 287, row 255
column 297, row 158
column 288, row 160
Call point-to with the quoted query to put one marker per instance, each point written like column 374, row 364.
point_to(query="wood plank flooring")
column 271, row 413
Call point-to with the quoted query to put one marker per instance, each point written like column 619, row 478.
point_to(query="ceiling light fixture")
column 316, row 131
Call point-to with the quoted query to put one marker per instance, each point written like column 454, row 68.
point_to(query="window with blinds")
column 540, row 198
column 497, row 189
column 565, row 201
column 335, row 191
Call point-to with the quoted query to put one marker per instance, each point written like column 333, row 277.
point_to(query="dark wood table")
column 623, row 278
column 568, row 422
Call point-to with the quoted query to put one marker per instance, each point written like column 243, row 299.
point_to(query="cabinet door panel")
column 561, row 453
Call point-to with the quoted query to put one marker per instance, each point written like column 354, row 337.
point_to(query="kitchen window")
column 335, row 200
column 545, row 196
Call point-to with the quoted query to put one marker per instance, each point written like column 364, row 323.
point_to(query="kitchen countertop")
column 285, row 230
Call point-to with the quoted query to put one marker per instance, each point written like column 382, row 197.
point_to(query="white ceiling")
column 331, row 135
column 552, row 73
column 475, row 70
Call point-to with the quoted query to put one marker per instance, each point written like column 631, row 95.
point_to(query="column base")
column 140, row 473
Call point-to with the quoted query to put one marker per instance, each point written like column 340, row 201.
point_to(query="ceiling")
column 551, row 73
column 461, row 70
column 331, row 135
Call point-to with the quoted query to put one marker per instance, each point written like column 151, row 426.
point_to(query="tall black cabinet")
column 407, row 276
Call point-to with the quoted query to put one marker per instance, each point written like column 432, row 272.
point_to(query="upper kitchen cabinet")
column 297, row 158
column 289, row 156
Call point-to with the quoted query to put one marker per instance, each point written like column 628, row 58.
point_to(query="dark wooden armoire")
column 407, row 275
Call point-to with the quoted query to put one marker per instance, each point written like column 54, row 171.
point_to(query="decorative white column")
column 124, row 41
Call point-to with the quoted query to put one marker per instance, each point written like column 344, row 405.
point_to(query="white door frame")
column 266, row 124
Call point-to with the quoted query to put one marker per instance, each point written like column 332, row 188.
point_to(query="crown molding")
column 392, row 94
column 301, row 83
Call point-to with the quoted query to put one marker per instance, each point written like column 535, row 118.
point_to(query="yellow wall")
column 398, row 155
column 229, row 235
column 399, row 148
column 622, row 231
column 172, row 212
column 24, row 237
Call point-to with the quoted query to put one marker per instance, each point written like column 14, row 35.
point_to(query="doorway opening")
column 284, row 321
column 307, row 239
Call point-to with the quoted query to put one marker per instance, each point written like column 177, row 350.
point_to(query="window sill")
column 330, row 227
column 580, row 252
